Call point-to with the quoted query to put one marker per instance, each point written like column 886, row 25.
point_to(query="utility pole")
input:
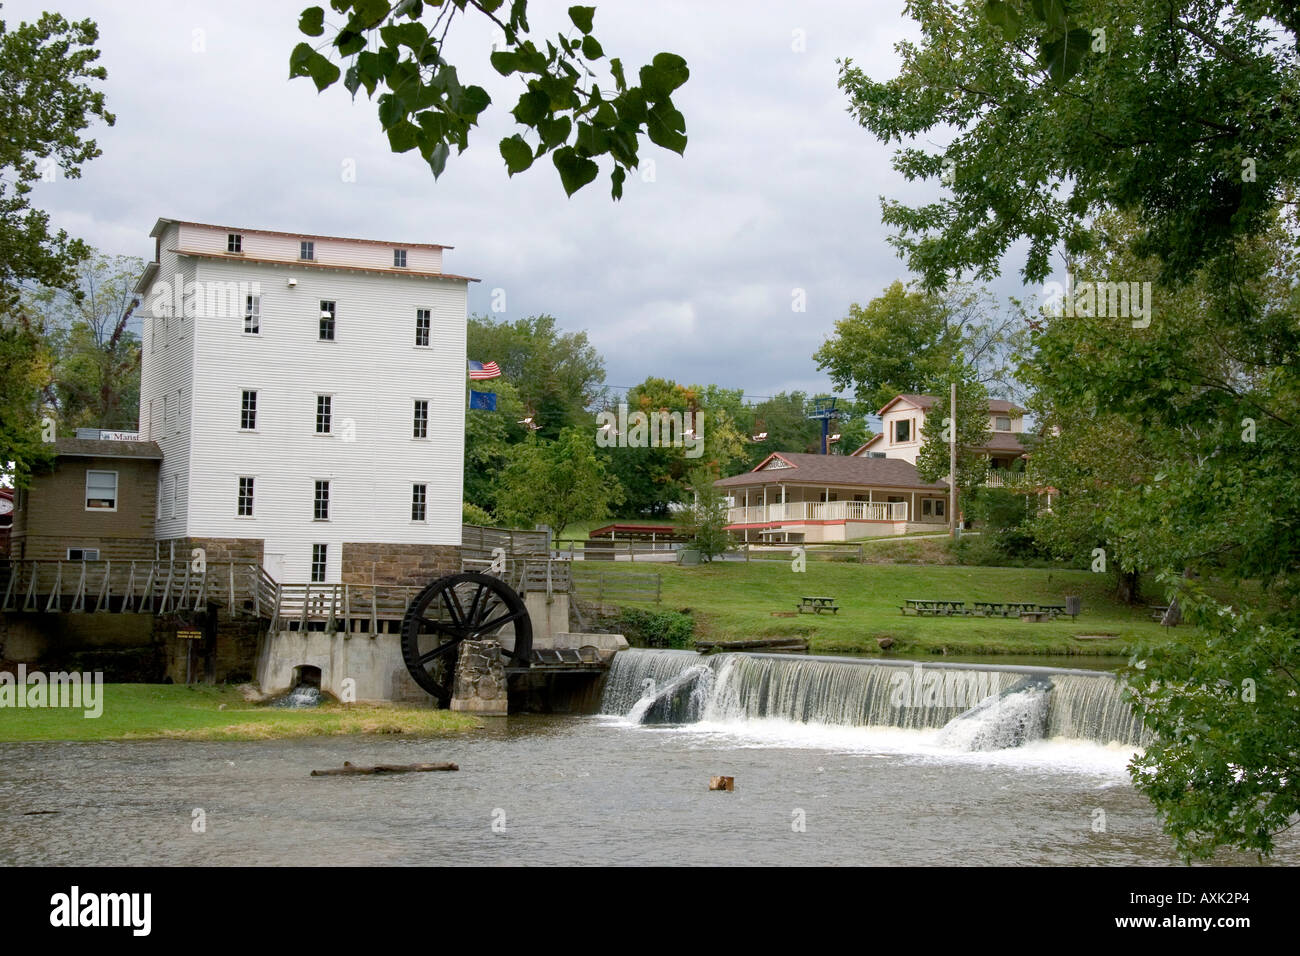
column 952, row 463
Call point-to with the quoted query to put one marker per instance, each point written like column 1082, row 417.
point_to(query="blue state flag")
column 484, row 400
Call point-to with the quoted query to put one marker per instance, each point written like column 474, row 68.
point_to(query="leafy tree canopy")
column 566, row 109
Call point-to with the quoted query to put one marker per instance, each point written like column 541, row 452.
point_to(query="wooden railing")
column 593, row 585
column 819, row 511
column 147, row 587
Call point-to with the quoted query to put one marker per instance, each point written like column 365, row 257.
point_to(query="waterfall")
column 976, row 707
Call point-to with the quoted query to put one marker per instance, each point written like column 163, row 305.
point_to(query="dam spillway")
column 974, row 706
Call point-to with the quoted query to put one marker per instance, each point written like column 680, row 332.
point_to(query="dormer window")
column 902, row 431
column 399, row 258
column 1002, row 423
column 234, row 242
column 307, row 250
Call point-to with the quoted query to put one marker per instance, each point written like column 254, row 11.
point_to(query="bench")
column 815, row 605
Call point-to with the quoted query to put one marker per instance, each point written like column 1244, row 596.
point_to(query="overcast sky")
column 690, row 276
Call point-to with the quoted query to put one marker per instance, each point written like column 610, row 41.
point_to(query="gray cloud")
column 689, row 276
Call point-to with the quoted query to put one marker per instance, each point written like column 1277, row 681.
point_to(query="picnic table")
column 815, row 605
column 926, row 606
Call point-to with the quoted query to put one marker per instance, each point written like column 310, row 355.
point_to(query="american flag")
column 482, row 370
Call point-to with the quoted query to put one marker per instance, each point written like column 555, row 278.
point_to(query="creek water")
column 813, row 786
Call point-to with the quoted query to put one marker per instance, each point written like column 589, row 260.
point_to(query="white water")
column 922, row 710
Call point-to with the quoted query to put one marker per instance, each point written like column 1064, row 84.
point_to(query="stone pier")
column 480, row 680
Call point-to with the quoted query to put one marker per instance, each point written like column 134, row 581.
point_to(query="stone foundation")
column 408, row 565
column 480, row 680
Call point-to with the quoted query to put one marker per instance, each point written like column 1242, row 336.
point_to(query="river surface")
column 581, row 790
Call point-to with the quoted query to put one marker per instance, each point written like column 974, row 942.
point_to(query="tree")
column 934, row 460
column 557, row 482
column 24, row 370
column 96, row 374
column 490, row 442
column 1185, row 114
column 563, row 109
column 1182, row 118
column 46, row 69
column 558, row 375
column 706, row 518
column 903, row 339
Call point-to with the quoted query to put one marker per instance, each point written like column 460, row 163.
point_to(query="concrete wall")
column 375, row 663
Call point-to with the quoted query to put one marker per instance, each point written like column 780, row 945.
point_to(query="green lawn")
column 140, row 711
column 734, row 600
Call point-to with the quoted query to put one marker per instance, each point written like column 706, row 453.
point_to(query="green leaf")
column 401, row 137
column 505, row 62
column 1063, row 56
column 553, row 132
column 532, row 107
column 591, row 49
column 312, row 21
column 517, row 154
column 348, row 42
column 582, row 17
column 616, row 68
column 438, row 161
column 665, row 73
column 616, row 182
column 667, row 128
column 575, row 171
column 298, row 59
column 352, row 80
column 1002, row 14
column 473, row 100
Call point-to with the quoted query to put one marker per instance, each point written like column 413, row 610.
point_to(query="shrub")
column 473, row 514
column 644, row 628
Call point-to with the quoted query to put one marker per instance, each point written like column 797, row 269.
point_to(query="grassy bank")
column 734, row 600
column 177, row 712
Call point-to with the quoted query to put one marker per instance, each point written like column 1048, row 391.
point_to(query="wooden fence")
column 593, row 585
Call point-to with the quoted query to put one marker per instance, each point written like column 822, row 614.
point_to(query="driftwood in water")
column 756, row 644
column 722, row 783
column 350, row 769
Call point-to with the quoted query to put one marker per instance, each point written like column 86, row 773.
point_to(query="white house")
column 308, row 393
column 795, row 497
column 902, row 432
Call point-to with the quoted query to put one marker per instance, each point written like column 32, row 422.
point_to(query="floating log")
column 722, row 783
column 762, row 643
column 349, row 768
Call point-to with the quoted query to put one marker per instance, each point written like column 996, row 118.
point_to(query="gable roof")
column 801, row 468
column 925, row 402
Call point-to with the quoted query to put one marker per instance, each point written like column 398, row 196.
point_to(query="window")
column 248, row 411
column 83, row 554
column 423, row 321
column 234, row 242
column 322, row 512
column 399, row 258
column 253, row 315
column 932, row 507
column 101, row 490
column 420, row 425
column 318, row 562
column 175, row 506
column 307, row 250
column 1002, row 423
column 419, row 495
column 327, row 314
column 902, row 430
column 180, row 405
column 324, row 414
column 245, row 502
column 148, row 428
column 166, row 419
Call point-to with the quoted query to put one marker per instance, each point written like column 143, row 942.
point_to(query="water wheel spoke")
column 500, row 622
column 442, row 627
column 436, row 652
